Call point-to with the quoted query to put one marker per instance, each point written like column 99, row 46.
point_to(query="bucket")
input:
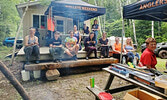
column 37, row 74
column 25, row 75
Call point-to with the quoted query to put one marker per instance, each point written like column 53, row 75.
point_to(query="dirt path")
column 72, row 87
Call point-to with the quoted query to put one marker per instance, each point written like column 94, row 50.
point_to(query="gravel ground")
column 70, row 87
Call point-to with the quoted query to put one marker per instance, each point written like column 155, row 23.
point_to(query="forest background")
column 111, row 22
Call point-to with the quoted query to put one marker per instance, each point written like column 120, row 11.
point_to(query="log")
column 52, row 74
column 78, row 63
column 14, row 81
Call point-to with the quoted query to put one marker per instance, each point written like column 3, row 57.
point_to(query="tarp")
column 75, row 9
column 155, row 10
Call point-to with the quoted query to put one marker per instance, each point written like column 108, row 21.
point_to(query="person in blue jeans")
column 95, row 29
column 31, row 46
column 130, row 49
column 56, row 48
column 78, row 36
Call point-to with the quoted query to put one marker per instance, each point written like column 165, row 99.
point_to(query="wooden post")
column 152, row 29
column 14, row 47
column 123, row 30
column 134, row 31
column 14, row 81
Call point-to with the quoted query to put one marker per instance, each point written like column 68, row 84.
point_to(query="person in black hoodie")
column 89, row 44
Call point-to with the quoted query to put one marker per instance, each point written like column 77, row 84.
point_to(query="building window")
column 60, row 25
column 40, row 21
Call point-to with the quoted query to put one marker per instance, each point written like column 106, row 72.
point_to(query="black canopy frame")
column 154, row 10
column 75, row 9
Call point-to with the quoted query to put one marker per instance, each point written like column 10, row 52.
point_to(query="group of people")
column 73, row 45
column 56, row 47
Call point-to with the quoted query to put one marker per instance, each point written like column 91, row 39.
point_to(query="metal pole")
column 14, row 81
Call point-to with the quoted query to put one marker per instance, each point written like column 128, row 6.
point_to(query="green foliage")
column 45, row 2
column 114, row 28
column 5, row 51
column 9, row 18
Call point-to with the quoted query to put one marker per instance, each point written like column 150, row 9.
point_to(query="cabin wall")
column 28, row 19
column 40, row 10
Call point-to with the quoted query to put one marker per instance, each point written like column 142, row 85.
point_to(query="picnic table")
column 134, row 84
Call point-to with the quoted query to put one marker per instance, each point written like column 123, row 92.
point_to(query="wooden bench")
column 45, row 55
column 96, row 90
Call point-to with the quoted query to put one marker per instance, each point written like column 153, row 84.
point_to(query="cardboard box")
column 140, row 95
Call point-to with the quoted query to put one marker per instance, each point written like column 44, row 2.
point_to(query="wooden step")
column 45, row 55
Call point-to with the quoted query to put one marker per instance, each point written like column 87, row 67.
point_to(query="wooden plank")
column 96, row 90
column 77, row 63
column 143, row 86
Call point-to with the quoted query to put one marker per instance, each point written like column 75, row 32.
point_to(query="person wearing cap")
column 31, row 46
column 89, row 44
column 148, row 57
column 56, row 49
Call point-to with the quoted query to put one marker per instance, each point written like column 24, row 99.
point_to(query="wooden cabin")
column 35, row 17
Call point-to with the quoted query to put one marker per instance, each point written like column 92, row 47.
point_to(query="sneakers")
column 75, row 58
column 27, row 62
column 55, row 60
column 37, row 61
column 97, row 57
column 59, row 60
column 87, row 58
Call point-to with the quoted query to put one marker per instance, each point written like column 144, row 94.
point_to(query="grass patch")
column 161, row 64
column 5, row 51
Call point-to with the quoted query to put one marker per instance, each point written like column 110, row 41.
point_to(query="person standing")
column 89, row 44
column 104, row 46
column 31, row 46
column 78, row 36
column 56, row 49
column 148, row 57
column 95, row 29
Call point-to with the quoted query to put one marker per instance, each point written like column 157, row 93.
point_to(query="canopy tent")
column 155, row 10
column 75, row 9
